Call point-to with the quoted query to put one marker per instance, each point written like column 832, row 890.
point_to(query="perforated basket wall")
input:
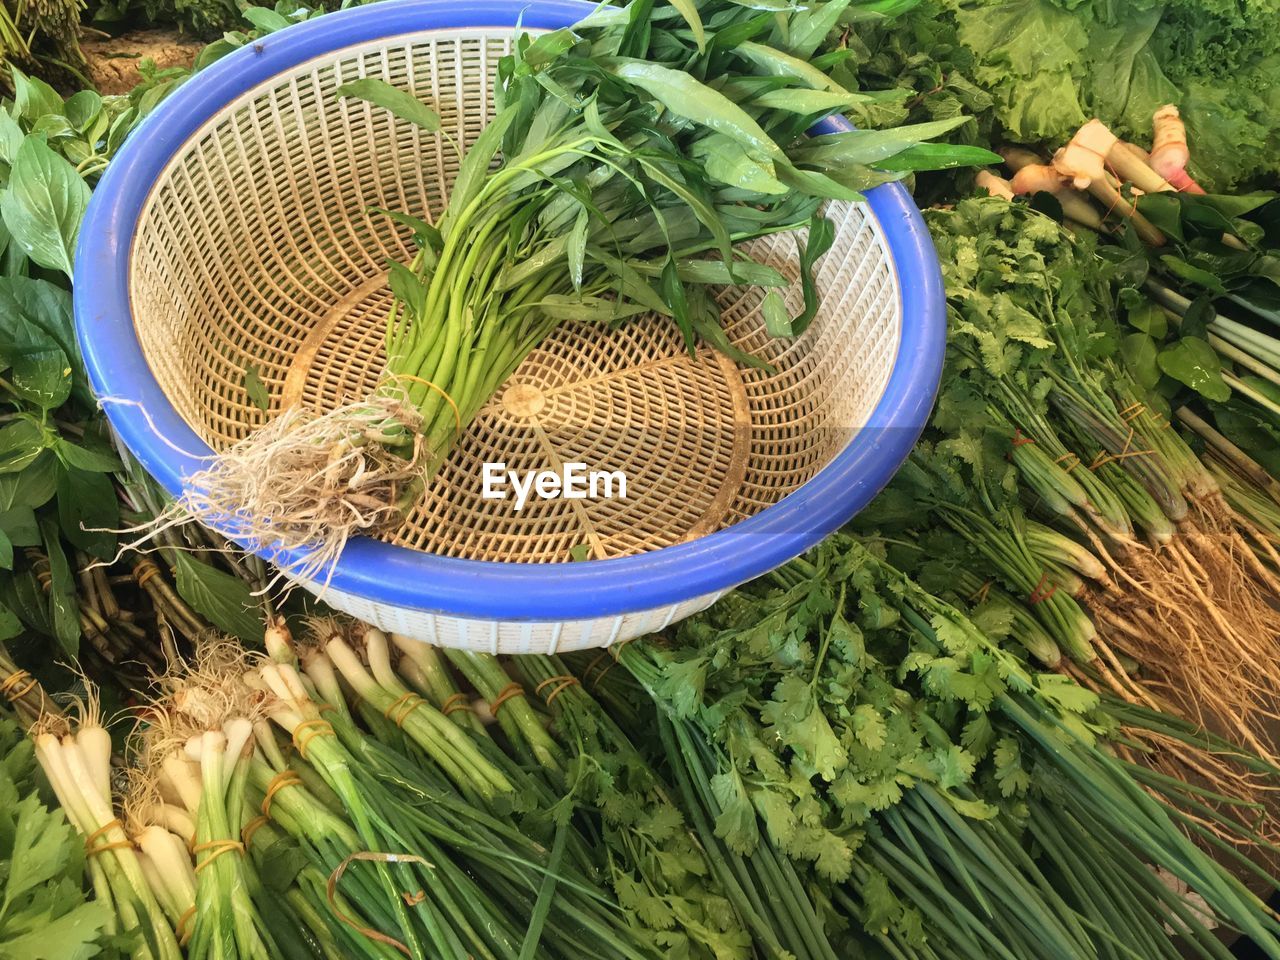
column 260, row 245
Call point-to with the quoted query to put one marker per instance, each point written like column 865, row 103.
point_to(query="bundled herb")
column 920, row 779
column 636, row 149
column 1048, row 469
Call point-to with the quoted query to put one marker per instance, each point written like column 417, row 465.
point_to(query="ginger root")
column 1082, row 160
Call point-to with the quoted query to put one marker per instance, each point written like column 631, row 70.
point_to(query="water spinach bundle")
column 627, row 159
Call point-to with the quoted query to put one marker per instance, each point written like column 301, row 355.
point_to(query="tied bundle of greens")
column 342, row 799
column 628, row 158
column 1051, row 474
column 862, row 753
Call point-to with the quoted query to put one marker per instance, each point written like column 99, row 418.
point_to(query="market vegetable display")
column 843, row 759
column 635, row 151
column 917, row 776
column 64, row 589
column 1022, row 709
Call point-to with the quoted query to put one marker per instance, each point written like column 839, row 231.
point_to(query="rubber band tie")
column 144, row 571
column 1040, row 594
column 216, row 848
column 455, row 701
column 595, row 684
column 507, row 692
column 285, row 778
column 93, row 848
column 566, row 681
column 181, row 930
column 1068, row 461
column 311, row 729
column 1020, row 440
column 331, row 889
column 11, row 681
column 406, row 703
column 457, row 414
column 252, row 827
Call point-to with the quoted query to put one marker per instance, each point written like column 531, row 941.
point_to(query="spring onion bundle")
column 628, row 157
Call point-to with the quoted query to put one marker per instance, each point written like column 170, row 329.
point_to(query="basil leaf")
column 1139, row 352
column 44, row 205
column 88, row 510
column 64, row 608
column 264, row 19
column 32, row 97
column 1193, row 362
column 82, row 109
column 20, row 443
column 221, row 598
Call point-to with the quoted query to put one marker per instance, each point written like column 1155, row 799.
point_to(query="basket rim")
column 169, row 450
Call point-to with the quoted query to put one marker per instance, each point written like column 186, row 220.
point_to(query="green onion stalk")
column 467, row 879
column 226, row 922
column 589, row 785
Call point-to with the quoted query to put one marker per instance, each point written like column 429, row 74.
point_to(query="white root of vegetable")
column 995, row 186
column 1032, row 176
column 1082, row 159
column 1037, row 177
column 1108, row 193
column 308, row 483
column 1169, row 151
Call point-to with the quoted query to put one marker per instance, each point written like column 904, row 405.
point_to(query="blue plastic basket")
column 124, row 262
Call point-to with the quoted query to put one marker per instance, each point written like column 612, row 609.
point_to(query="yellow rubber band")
column 285, row 778
column 507, row 692
column 457, row 414
column 311, row 728
column 218, row 848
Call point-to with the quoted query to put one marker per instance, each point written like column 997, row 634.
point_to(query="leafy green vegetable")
column 1035, row 70
column 223, row 599
column 42, row 205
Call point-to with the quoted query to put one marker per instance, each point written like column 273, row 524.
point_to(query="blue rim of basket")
column 398, row 576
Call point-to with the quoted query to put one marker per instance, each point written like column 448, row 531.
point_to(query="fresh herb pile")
column 864, row 755
column 341, row 798
column 44, row 910
column 1051, row 480
column 843, row 762
column 1022, row 711
column 64, row 590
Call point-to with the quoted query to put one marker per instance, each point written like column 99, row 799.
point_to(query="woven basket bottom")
column 631, row 400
